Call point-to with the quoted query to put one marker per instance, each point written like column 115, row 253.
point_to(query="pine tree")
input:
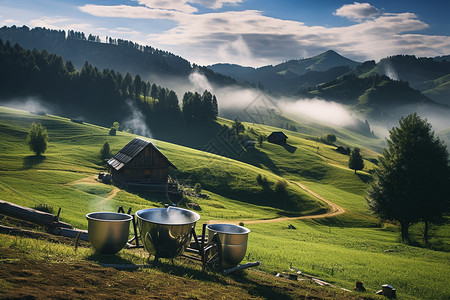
column 355, row 161
column 105, row 152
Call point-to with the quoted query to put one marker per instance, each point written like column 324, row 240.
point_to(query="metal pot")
column 234, row 242
column 108, row 231
column 166, row 232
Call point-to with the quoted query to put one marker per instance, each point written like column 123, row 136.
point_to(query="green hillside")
column 438, row 89
column 73, row 154
column 353, row 244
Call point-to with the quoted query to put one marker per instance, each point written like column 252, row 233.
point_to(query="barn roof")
column 130, row 151
column 278, row 135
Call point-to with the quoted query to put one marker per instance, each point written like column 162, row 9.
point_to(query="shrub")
column 262, row 180
column 37, row 138
column 44, row 208
column 281, row 187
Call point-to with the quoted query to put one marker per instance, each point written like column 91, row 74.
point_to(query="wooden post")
column 31, row 215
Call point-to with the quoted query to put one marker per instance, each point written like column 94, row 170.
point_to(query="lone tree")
column 412, row 182
column 261, row 139
column 114, row 128
column 355, row 161
column 330, row 138
column 237, row 127
column 37, row 138
column 105, row 152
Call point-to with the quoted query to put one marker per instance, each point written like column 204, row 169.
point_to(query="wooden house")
column 139, row 163
column 277, row 137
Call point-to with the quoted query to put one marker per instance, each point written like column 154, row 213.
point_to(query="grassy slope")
column 358, row 252
column 324, row 171
column 73, row 154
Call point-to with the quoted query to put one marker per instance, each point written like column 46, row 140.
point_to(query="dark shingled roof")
column 130, row 151
column 278, row 135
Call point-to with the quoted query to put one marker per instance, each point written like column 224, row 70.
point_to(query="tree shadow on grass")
column 32, row 161
column 364, row 177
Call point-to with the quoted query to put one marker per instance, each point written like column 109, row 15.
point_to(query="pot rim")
column 196, row 215
column 127, row 217
column 246, row 230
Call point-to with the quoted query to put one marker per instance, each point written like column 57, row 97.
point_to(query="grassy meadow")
column 341, row 250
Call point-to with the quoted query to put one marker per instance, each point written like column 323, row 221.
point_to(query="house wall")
column 147, row 167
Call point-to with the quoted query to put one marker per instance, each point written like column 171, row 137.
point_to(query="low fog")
column 253, row 105
column 31, row 104
column 250, row 104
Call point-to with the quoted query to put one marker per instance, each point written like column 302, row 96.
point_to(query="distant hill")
column 120, row 55
column 292, row 75
column 438, row 89
column 376, row 96
column 428, row 75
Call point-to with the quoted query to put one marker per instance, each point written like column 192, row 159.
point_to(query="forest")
column 97, row 95
column 107, row 53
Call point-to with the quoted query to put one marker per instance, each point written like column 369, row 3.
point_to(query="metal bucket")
column 108, row 231
column 234, row 242
column 166, row 232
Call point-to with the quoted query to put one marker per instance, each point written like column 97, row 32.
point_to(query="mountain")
column 292, row 75
column 120, row 55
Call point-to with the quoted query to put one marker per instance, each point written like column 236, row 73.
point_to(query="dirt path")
column 92, row 180
column 335, row 210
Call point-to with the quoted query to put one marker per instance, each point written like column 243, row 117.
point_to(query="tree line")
column 104, row 52
column 90, row 90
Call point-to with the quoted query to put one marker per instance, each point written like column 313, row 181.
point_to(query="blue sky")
column 250, row 32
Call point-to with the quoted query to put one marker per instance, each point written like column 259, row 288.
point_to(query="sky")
column 251, row 32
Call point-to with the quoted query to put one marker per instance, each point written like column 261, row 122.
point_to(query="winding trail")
column 92, row 180
column 335, row 211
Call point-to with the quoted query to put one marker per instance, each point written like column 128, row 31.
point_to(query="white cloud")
column 10, row 22
column 215, row 4
column 250, row 38
column 171, row 5
column 236, row 51
column 131, row 12
column 357, row 11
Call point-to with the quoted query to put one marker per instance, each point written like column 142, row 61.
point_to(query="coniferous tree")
column 105, row 152
column 355, row 161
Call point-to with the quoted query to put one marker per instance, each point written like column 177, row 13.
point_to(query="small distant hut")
column 343, row 150
column 277, row 137
column 139, row 163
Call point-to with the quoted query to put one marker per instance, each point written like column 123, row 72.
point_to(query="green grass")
column 353, row 254
column 353, row 244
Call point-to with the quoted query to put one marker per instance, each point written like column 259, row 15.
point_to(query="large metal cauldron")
column 234, row 242
column 108, row 231
column 166, row 232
